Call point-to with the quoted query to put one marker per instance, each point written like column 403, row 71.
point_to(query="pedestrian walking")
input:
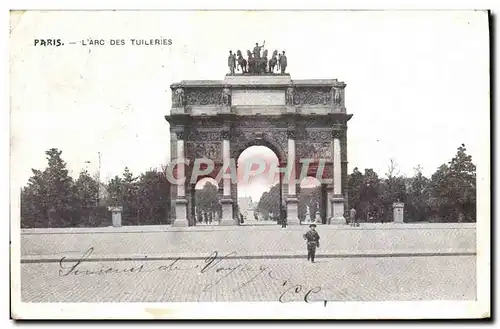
column 312, row 241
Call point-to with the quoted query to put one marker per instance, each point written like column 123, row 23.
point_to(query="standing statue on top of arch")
column 257, row 48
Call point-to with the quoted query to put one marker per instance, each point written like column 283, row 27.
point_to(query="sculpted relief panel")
column 314, row 150
column 204, row 96
column 318, row 135
column 209, row 150
column 312, row 96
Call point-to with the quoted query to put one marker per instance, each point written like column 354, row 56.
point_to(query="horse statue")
column 263, row 62
column 251, row 63
column 242, row 62
column 273, row 61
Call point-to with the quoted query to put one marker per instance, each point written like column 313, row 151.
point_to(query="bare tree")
column 392, row 169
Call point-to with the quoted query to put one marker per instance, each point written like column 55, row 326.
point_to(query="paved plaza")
column 373, row 262
column 246, row 241
column 341, row 279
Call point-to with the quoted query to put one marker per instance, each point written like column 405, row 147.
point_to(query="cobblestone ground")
column 248, row 240
column 342, row 279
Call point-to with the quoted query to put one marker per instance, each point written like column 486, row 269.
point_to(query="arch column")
column 292, row 214
column 181, row 202
column 329, row 203
column 226, row 201
column 336, row 197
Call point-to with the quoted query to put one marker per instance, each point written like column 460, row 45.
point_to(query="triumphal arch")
column 302, row 121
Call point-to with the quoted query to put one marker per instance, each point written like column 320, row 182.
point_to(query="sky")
column 417, row 82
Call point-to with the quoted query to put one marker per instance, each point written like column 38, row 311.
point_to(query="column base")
column 337, row 211
column 292, row 213
column 181, row 213
column 227, row 212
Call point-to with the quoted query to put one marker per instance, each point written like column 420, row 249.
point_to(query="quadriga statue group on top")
column 255, row 63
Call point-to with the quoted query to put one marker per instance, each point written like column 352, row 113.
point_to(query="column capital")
column 180, row 135
column 337, row 133
column 225, row 134
column 290, row 133
column 179, row 132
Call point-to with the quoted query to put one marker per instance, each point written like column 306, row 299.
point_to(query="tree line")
column 52, row 198
column 449, row 195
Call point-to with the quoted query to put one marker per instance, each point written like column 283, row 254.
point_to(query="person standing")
column 312, row 241
column 353, row 218
column 283, row 63
column 231, row 62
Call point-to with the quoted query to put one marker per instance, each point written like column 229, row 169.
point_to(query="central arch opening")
column 259, row 192
column 207, row 209
column 309, row 198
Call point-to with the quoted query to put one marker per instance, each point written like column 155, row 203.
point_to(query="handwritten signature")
column 212, row 264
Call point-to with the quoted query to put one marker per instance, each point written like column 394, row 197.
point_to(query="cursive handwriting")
column 261, row 270
column 298, row 290
column 211, row 261
column 213, row 264
column 74, row 267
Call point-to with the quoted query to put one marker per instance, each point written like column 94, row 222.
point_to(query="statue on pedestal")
column 283, row 63
column 226, row 96
column 336, row 95
column 179, row 92
column 308, row 215
column 231, row 62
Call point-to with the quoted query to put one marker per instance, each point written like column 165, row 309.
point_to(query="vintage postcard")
column 183, row 164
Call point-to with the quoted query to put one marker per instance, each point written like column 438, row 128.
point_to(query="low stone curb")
column 227, row 255
column 274, row 227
